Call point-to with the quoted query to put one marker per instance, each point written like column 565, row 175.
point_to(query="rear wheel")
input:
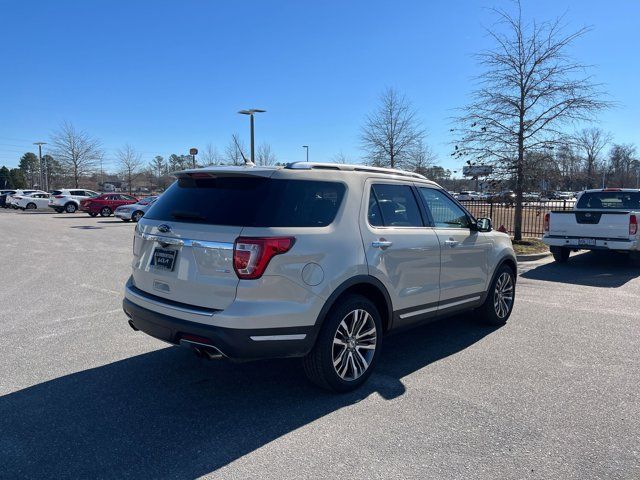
column 137, row 215
column 347, row 346
column 105, row 212
column 70, row 207
column 31, row 206
column 498, row 305
column 560, row 254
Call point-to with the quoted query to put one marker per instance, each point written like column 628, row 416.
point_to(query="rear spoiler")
column 231, row 171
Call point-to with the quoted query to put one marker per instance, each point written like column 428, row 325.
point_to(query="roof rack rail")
column 350, row 168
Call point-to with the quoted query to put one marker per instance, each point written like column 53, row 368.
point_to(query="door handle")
column 381, row 244
column 451, row 243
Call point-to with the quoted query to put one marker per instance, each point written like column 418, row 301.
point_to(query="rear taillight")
column 546, row 222
column 633, row 225
column 251, row 255
column 58, row 196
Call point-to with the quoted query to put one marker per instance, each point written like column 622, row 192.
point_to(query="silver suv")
column 319, row 261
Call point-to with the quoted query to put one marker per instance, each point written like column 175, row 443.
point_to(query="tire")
column 560, row 254
column 31, row 206
column 137, row 215
column 93, row 214
column 498, row 305
column 70, row 207
column 105, row 211
column 356, row 356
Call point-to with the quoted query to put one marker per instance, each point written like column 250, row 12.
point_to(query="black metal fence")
column 502, row 214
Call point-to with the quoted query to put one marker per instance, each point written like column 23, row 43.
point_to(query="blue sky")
column 165, row 76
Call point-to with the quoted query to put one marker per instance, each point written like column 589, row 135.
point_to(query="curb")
column 532, row 257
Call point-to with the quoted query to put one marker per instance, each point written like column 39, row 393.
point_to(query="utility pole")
column 251, row 112
column 43, row 174
column 306, row 147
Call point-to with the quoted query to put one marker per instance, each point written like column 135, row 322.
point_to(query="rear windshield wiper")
column 182, row 215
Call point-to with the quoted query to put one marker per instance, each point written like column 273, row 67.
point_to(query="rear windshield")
column 250, row 202
column 612, row 200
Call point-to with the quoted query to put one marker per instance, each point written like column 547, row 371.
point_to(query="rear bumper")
column 235, row 343
column 600, row 244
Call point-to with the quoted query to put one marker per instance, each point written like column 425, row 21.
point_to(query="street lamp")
column 250, row 112
column 43, row 173
column 306, row 147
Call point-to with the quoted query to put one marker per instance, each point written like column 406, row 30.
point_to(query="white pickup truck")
column 605, row 219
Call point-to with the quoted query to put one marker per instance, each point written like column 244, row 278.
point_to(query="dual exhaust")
column 202, row 350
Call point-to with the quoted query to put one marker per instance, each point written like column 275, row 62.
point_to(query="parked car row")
column 125, row 207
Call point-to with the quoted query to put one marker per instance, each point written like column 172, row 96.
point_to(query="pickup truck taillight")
column 251, row 255
column 633, row 225
column 546, row 222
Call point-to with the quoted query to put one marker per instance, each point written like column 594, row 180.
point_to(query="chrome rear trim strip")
column 267, row 338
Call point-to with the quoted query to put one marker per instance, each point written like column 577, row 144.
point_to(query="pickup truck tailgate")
column 590, row 224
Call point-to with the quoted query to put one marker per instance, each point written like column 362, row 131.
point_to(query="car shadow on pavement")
column 170, row 414
column 119, row 222
column 87, row 227
column 593, row 269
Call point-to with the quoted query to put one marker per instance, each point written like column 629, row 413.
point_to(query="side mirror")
column 484, row 225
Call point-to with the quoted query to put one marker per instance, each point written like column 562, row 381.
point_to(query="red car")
column 106, row 203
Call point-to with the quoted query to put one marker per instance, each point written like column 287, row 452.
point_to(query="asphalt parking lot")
column 554, row 394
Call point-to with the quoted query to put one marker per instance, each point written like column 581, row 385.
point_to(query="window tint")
column 613, row 200
column 79, row 193
column 444, row 211
column 126, row 197
column 393, row 206
column 249, row 201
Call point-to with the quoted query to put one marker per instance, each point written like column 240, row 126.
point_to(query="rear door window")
column 393, row 205
column 249, row 201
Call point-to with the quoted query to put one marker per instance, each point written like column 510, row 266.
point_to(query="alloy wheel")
column 354, row 344
column 503, row 295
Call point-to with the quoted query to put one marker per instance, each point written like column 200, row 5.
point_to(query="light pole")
column 43, row 174
column 251, row 112
column 306, row 147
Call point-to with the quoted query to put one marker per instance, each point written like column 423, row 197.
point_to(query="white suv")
column 312, row 260
column 68, row 199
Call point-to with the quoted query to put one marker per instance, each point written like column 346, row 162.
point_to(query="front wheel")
column 498, row 305
column 347, row 346
column 560, row 254
column 105, row 212
column 137, row 215
column 31, row 206
column 70, row 208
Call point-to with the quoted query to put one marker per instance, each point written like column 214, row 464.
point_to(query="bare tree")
column 392, row 132
column 421, row 159
column 234, row 151
column 265, row 156
column 529, row 89
column 623, row 165
column 591, row 142
column 340, row 158
column 76, row 151
column 130, row 162
column 210, row 156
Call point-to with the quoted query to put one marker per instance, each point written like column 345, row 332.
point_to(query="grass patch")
column 528, row 246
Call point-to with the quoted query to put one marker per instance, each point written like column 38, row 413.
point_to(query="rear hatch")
column 183, row 248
